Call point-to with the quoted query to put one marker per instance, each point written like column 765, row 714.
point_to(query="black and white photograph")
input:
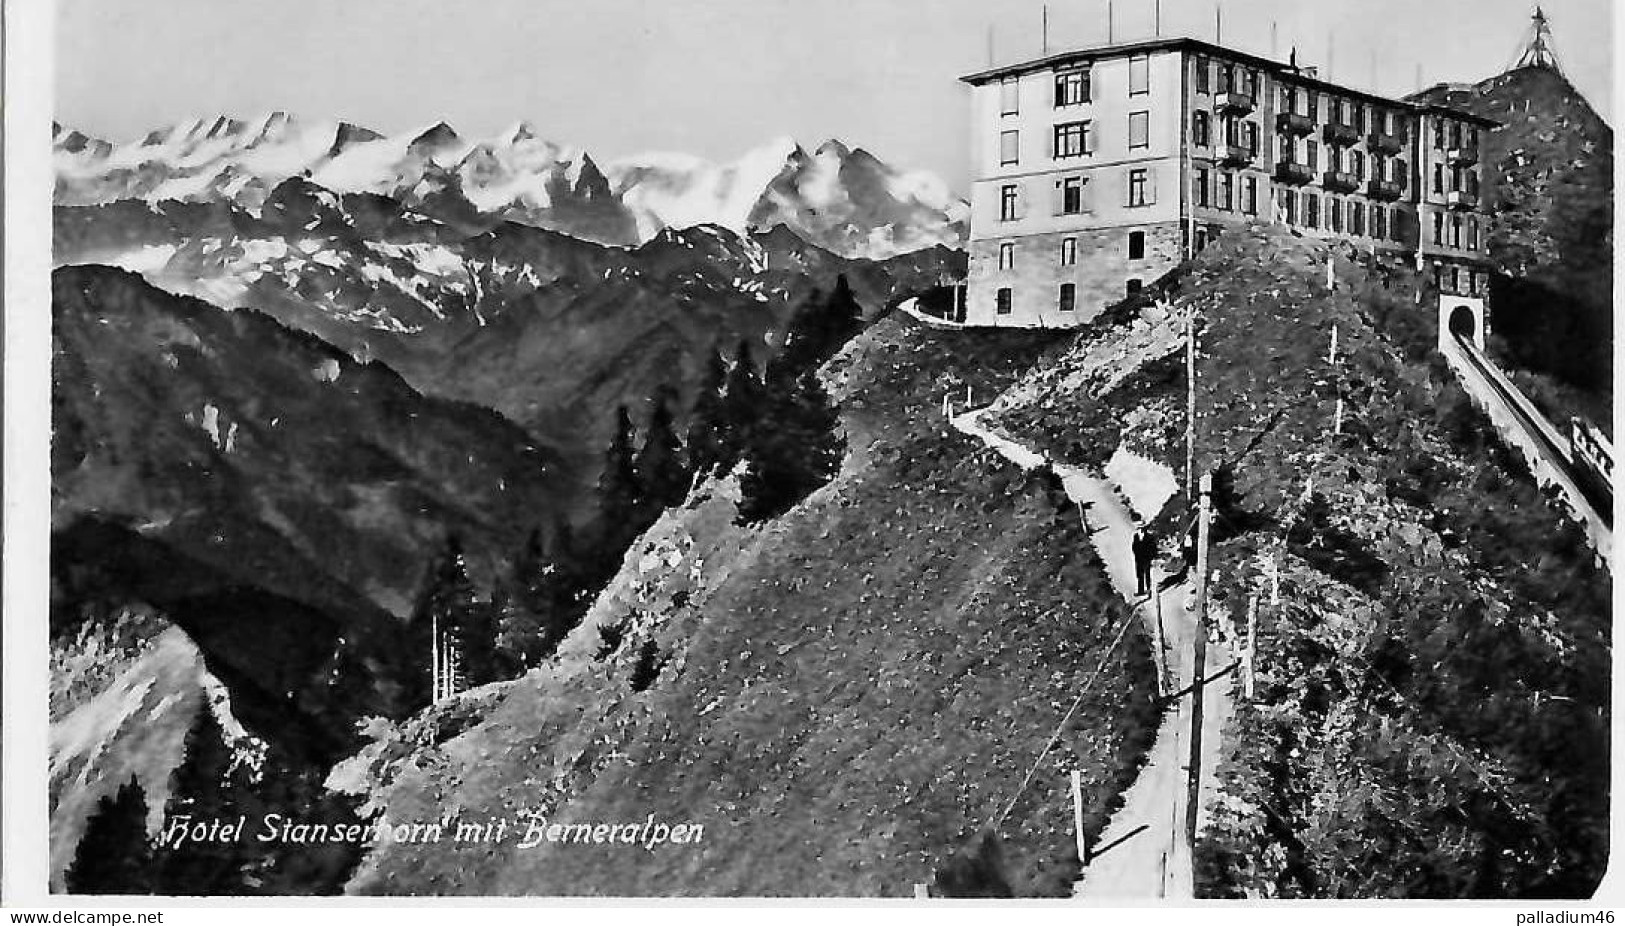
column 1126, row 452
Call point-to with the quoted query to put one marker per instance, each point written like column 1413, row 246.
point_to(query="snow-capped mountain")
column 843, row 199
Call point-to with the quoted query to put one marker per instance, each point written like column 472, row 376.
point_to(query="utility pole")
column 1190, row 401
column 1077, row 817
column 1198, row 661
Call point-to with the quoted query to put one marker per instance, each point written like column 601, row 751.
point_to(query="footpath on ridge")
column 1143, row 851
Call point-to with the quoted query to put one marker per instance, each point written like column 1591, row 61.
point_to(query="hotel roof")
column 1298, row 75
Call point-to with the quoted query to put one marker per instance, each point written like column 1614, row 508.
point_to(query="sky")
column 716, row 78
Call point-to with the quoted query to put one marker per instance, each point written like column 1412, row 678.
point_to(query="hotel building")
column 1098, row 171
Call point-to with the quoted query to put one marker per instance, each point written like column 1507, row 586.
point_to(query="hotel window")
column 1359, row 117
column 1311, row 210
column 1472, row 183
column 1249, row 196
column 1204, row 69
column 1071, row 195
column 1289, row 99
column 1139, row 130
column 1069, row 252
column 1007, row 203
column 1252, row 139
column 1009, row 147
column 1472, row 234
column 1438, row 132
column 1140, row 191
column 1009, row 96
column 1334, row 213
column 1357, row 166
column 1227, row 191
column 1438, row 228
column 1472, row 136
column 1007, row 256
column 1314, row 105
column 1289, row 207
column 1455, row 231
column 1139, row 75
column 1399, row 173
column 1455, row 135
column 1201, row 129
column 1072, row 87
column 1201, row 187
column 1438, row 178
column 1136, row 245
column 1134, row 286
column 1356, row 218
column 1069, row 297
column 1227, row 78
column 1312, row 155
column 1071, row 139
column 1379, row 222
column 1004, row 301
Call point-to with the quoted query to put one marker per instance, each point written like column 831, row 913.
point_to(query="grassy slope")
column 852, row 691
column 1431, row 717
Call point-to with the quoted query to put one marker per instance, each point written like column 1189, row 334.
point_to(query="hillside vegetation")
column 843, row 697
column 1431, row 714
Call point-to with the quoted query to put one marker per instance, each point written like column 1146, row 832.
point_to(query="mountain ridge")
column 841, row 197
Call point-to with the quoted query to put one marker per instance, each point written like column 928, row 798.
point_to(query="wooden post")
column 1252, row 643
column 1077, row 817
column 1331, row 356
column 1198, row 662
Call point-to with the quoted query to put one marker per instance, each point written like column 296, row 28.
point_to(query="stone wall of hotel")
column 1101, row 273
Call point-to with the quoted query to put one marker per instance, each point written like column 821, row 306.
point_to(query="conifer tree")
column 619, row 492
column 203, row 788
column 660, row 471
column 796, row 449
column 450, row 602
column 114, row 856
column 742, row 407
column 820, row 325
column 706, row 440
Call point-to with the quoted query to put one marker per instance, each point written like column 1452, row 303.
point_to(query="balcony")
column 1293, row 172
column 1341, row 134
column 1294, row 124
column 1461, row 199
column 1338, row 181
column 1462, row 156
column 1234, row 156
column 1389, row 190
column 1233, row 101
column 1385, row 143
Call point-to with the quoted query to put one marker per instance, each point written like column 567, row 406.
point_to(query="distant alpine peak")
column 837, row 196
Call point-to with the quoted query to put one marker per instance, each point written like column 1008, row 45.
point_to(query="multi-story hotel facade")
column 1097, row 171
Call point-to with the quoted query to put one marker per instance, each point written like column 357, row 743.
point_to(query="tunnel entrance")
column 1464, row 323
column 1462, row 317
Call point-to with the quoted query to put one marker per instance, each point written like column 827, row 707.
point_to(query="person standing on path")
column 1144, row 549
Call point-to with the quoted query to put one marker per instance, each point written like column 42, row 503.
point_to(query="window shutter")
column 1086, row 198
column 1150, row 186
column 1058, row 198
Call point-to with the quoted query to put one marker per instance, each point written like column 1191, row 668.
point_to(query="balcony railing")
column 1339, row 181
column 1234, row 155
column 1341, row 133
column 1293, row 172
column 1234, row 101
column 1463, row 155
column 1389, row 190
column 1461, row 199
column 1385, row 143
column 1294, row 124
